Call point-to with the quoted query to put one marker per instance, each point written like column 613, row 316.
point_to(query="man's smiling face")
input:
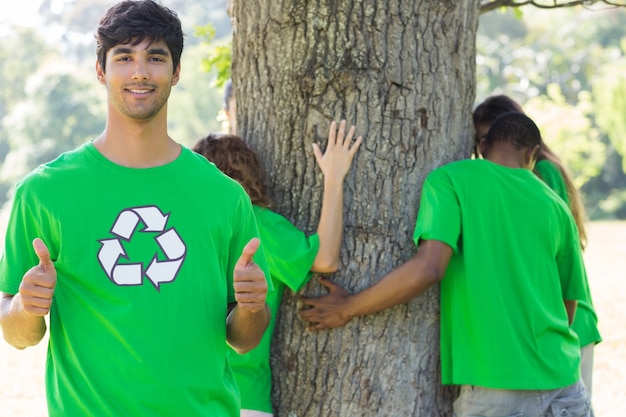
column 138, row 78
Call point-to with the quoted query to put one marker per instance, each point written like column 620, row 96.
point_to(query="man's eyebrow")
column 151, row 51
column 122, row 50
column 158, row 51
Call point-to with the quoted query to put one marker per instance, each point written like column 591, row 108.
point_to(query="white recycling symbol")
column 158, row 271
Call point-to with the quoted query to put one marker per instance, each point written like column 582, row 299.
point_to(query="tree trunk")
column 403, row 71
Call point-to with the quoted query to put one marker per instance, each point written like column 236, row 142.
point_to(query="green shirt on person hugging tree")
column 503, row 321
column 290, row 255
column 585, row 321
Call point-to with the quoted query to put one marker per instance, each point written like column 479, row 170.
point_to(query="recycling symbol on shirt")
column 133, row 273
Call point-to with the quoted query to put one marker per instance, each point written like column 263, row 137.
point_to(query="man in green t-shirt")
column 506, row 252
column 144, row 280
column 553, row 172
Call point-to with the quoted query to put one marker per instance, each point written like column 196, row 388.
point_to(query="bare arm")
column 245, row 329
column 335, row 164
column 247, row 322
column 19, row 328
column 570, row 306
column 22, row 315
column 409, row 280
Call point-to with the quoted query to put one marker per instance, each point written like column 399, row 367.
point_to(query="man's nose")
column 140, row 72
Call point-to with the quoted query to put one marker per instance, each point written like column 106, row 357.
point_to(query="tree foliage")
column 195, row 101
column 609, row 92
column 577, row 140
column 219, row 55
column 556, row 72
column 53, row 101
column 520, row 56
column 489, row 5
column 18, row 63
column 48, row 122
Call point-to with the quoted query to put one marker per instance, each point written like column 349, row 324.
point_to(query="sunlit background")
column 21, row 13
column 566, row 67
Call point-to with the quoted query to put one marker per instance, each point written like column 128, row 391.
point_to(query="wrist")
column 330, row 182
column 256, row 311
column 350, row 310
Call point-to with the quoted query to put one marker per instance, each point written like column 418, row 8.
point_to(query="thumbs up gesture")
column 249, row 280
column 37, row 287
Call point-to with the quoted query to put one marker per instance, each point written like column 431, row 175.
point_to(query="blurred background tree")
column 567, row 68
column 564, row 66
column 50, row 100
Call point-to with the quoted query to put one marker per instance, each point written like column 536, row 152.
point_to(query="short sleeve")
column 290, row 252
column 439, row 216
column 570, row 263
column 18, row 255
column 245, row 230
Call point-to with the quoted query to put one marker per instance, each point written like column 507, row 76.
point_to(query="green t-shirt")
column 144, row 261
column 290, row 255
column 516, row 257
column 585, row 321
column 550, row 174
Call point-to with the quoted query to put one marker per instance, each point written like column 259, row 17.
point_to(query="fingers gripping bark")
column 328, row 311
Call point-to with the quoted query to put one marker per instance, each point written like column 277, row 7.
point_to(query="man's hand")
column 328, row 311
column 247, row 322
column 22, row 315
column 249, row 280
column 37, row 287
column 412, row 278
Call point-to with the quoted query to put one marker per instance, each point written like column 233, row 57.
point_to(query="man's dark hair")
column 515, row 128
column 133, row 21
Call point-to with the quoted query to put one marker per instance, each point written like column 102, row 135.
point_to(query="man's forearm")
column 20, row 329
column 397, row 287
column 244, row 329
column 425, row 268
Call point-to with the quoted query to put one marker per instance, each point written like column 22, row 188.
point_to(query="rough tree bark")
column 404, row 72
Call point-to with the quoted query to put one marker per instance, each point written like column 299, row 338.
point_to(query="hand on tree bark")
column 336, row 160
column 328, row 311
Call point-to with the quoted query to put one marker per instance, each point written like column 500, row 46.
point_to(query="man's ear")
column 483, row 147
column 176, row 76
column 100, row 73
